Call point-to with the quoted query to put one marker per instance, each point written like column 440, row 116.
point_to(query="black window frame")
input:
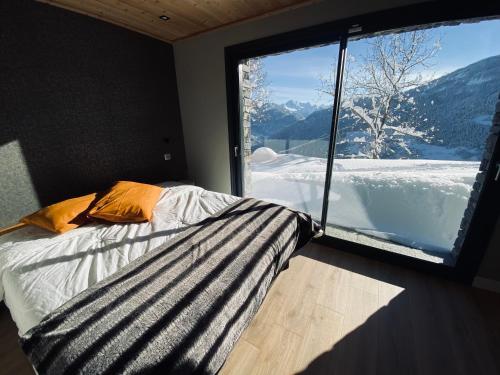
column 426, row 14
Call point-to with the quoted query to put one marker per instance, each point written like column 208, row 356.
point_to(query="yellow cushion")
column 127, row 202
column 63, row 216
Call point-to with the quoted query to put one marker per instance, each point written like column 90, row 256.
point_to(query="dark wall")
column 82, row 103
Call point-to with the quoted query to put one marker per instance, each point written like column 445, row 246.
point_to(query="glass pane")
column 416, row 110
column 286, row 121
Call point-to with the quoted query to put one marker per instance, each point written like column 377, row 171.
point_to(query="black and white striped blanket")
column 181, row 307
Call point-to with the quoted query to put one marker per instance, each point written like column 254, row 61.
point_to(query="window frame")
column 427, row 14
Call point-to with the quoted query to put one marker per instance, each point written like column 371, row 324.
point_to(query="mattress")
column 40, row 271
column 180, row 308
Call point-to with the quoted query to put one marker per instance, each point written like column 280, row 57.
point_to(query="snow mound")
column 418, row 203
column 263, row 154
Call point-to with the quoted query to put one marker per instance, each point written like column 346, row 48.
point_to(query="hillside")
column 460, row 105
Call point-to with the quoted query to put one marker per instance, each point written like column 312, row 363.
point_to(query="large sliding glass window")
column 286, row 123
column 398, row 143
column 416, row 109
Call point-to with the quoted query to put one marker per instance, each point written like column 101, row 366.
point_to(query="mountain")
column 460, row 105
column 316, row 125
column 454, row 111
column 273, row 117
column 302, row 109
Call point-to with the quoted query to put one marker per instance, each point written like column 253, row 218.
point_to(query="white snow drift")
column 419, row 203
column 263, row 154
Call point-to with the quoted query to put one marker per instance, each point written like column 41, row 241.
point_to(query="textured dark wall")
column 82, row 103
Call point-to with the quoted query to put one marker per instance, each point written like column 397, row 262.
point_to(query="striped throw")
column 178, row 309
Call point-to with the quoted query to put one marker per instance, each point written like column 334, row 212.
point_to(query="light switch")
column 167, row 156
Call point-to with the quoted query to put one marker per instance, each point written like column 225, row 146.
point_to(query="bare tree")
column 259, row 91
column 376, row 88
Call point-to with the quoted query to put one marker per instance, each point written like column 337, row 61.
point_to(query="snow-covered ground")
column 418, row 203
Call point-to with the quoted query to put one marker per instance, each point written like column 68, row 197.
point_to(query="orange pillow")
column 63, row 216
column 127, row 202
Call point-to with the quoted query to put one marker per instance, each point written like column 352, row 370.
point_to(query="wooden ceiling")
column 187, row 17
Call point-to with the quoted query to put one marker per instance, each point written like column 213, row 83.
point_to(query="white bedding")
column 40, row 271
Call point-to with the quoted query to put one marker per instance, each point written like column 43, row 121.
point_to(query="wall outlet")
column 167, row 156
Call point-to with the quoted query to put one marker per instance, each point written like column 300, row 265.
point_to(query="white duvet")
column 40, row 271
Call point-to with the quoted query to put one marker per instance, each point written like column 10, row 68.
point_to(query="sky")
column 296, row 75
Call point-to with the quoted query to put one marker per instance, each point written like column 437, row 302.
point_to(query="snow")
column 485, row 120
column 418, row 203
column 434, row 152
column 263, row 154
column 477, row 81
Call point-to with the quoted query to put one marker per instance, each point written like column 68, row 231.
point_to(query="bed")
column 44, row 276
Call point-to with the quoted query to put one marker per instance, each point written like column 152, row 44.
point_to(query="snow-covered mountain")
column 273, row 117
column 455, row 113
column 302, row 109
column 460, row 105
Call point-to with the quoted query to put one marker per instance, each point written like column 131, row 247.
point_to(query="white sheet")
column 40, row 271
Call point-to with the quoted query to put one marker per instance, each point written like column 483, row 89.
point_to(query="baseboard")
column 487, row 284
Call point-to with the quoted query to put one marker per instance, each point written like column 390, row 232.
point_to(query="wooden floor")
column 335, row 313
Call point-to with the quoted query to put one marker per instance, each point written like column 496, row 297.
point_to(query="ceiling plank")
column 155, row 8
column 141, row 16
column 187, row 17
column 298, row 4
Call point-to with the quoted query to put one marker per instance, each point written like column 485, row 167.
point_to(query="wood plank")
column 301, row 300
column 333, row 293
column 187, row 17
column 12, row 359
column 462, row 321
column 356, row 352
column 429, row 335
column 156, row 9
column 117, row 10
column 323, row 332
column 396, row 345
column 194, row 13
column 273, row 12
column 242, row 359
column 278, row 352
column 489, row 309
column 142, row 15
